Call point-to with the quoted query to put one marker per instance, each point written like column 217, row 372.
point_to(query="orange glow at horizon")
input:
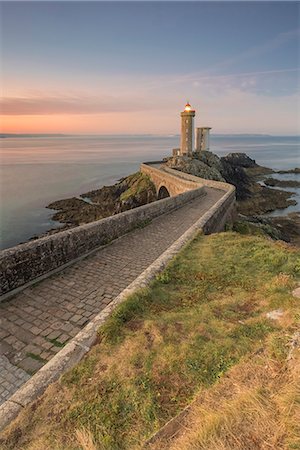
column 83, row 123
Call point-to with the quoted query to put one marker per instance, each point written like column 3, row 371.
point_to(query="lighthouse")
column 187, row 131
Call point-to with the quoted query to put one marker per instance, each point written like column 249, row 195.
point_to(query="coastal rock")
column 130, row 192
column 249, row 165
column 296, row 170
column 289, row 227
column 75, row 211
column 241, row 171
column 239, row 160
column 238, row 177
column 263, row 200
column 281, row 183
column 195, row 167
column 210, row 159
column 285, row 228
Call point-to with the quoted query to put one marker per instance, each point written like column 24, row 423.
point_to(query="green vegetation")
column 138, row 183
column 36, row 357
column 56, row 342
column 246, row 227
column 203, row 317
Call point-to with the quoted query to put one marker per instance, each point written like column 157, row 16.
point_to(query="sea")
column 36, row 170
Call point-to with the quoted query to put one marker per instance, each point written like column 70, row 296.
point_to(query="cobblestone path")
column 38, row 321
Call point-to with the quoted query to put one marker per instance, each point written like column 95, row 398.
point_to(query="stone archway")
column 163, row 193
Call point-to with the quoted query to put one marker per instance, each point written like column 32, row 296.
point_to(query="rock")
column 241, row 171
column 210, row 159
column 75, row 211
column 195, row 167
column 140, row 191
column 237, row 176
column 130, row 192
column 263, row 200
column 281, row 183
column 239, row 160
column 296, row 170
column 289, row 227
column 285, row 228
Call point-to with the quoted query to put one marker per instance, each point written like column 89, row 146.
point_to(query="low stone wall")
column 201, row 181
column 26, row 262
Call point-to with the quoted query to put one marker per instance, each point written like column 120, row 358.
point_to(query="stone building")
column 202, row 139
column 187, row 141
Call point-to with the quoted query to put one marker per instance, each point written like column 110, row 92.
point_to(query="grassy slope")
column 202, row 319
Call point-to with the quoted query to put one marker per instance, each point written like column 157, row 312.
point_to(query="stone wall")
column 26, row 262
column 173, row 181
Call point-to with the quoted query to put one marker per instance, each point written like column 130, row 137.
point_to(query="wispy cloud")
column 41, row 105
column 271, row 44
column 198, row 78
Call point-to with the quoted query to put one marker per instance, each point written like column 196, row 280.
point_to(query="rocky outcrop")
column 130, row 192
column 194, row 167
column 239, row 160
column 210, row 159
column 263, row 200
column 249, row 165
column 285, row 228
column 241, row 171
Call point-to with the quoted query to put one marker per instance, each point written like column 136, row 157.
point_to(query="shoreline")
column 109, row 200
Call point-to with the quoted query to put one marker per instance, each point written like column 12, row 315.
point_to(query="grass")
column 56, row 342
column 138, row 183
column 36, row 357
column 202, row 320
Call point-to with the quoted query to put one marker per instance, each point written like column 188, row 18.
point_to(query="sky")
column 129, row 67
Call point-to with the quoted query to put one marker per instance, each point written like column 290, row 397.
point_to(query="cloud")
column 40, row 105
column 278, row 41
column 221, row 81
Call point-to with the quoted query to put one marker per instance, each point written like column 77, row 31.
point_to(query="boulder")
column 210, row 159
column 239, row 160
column 195, row 167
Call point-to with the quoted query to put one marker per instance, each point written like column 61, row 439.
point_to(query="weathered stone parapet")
column 34, row 260
column 173, row 182
column 201, row 181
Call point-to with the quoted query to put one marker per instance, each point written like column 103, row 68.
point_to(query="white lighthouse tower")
column 187, row 131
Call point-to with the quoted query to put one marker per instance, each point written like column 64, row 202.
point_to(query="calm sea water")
column 36, row 171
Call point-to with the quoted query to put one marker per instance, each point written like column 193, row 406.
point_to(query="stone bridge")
column 57, row 290
column 168, row 183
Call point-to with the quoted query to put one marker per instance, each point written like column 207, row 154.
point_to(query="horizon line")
column 140, row 134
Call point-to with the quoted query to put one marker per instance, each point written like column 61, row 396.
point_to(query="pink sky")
column 229, row 104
